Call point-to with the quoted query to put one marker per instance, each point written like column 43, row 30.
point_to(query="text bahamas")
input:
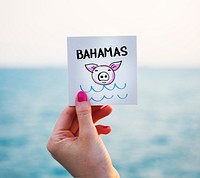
column 101, row 52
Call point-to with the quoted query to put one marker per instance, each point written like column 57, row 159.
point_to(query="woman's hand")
column 75, row 142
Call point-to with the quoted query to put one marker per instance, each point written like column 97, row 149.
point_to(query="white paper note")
column 105, row 67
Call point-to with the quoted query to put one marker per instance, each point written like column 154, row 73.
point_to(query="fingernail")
column 82, row 96
column 105, row 127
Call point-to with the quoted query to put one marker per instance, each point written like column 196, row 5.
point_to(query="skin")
column 76, row 143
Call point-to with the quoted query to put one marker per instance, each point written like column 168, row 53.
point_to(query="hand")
column 75, row 142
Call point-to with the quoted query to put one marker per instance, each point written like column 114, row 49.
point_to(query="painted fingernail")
column 82, row 96
column 105, row 127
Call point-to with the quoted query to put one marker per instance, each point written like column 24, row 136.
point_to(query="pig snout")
column 103, row 76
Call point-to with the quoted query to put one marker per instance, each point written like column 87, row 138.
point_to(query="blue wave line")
column 104, row 97
column 121, row 87
column 123, row 97
column 104, row 86
column 91, row 88
column 109, row 88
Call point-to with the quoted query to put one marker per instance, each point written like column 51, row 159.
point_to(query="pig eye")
column 96, row 70
column 109, row 69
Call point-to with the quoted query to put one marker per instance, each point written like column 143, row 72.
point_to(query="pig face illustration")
column 103, row 74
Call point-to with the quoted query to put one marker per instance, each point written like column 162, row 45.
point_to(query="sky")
column 33, row 32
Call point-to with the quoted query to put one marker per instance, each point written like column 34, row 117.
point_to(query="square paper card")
column 105, row 67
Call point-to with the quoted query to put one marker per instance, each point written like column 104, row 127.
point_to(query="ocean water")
column 158, row 138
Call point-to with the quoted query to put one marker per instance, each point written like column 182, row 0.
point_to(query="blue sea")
column 158, row 138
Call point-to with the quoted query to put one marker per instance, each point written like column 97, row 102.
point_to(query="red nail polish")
column 82, row 96
column 105, row 127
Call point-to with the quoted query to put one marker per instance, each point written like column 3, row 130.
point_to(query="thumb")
column 83, row 110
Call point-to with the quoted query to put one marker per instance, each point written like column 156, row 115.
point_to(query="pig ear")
column 115, row 65
column 91, row 67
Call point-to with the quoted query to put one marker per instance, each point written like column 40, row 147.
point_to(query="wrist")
column 115, row 173
column 112, row 173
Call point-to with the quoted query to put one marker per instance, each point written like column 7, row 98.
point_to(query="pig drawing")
column 103, row 74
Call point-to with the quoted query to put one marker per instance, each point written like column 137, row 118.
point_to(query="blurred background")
column 158, row 138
